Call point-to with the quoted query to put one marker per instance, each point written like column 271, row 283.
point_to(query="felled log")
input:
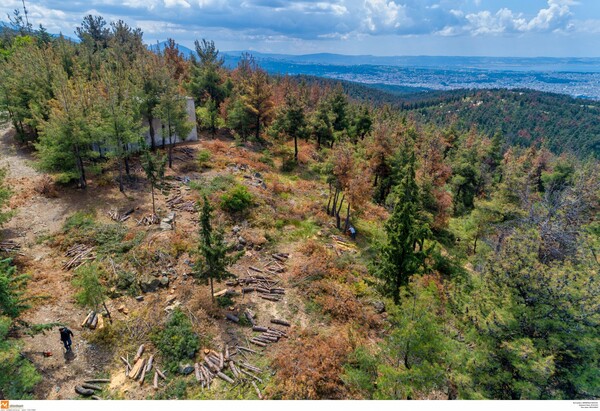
column 137, row 368
column 160, row 374
column 149, row 365
column 257, row 342
column 232, row 318
column 226, row 352
column 247, row 290
column 259, row 328
column 224, row 377
column 100, row 380
column 139, row 353
column 280, row 322
column 91, row 387
column 233, row 369
column 220, row 293
column 84, row 323
column 250, row 367
column 125, row 362
column 247, row 350
column 251, row 375
column 83, row 391
column 197, row 372
column 95, row 397
column 211, row 365
column 258, row 270
column 260, row 397
column 262, row 290
column 90, row 319
column 142, row 375
column 155, row 381
column 94, row 322
column 100, row 324
column 280, row 257
column 221, row 360
column 270, row 297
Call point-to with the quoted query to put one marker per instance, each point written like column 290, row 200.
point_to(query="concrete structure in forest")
column 160, row 131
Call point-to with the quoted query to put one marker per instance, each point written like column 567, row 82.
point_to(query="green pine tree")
column 404, row 254
column 215, row 253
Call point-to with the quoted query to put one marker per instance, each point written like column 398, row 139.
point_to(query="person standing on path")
column 65, row 337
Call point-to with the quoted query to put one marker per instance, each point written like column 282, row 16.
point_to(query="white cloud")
column 383, row 15
column 175, row 3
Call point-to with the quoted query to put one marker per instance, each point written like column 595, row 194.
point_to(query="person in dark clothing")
column 65, row 337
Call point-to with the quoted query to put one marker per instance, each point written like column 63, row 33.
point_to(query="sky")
column 519, row 28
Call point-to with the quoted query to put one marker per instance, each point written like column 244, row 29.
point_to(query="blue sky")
column 379, row 27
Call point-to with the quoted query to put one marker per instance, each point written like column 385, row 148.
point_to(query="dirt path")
column 36, row 217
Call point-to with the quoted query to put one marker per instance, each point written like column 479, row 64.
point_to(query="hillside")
column 306, row 242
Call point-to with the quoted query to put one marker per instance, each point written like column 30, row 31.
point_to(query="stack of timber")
column 79, row 253
column 264, row 286
column 340, row 245
column 116, row 216
column 93, row 321
column 142, row 367
column 218, row 364
column 148, row 220
column 268, row 335
column 9, row 246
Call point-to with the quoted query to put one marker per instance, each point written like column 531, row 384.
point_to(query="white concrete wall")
column 193, row 136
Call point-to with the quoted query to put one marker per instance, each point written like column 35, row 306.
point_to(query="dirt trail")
column 35, row 217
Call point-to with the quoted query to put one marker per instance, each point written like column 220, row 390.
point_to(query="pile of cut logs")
column 186, row 151
column 9, row 246
column 93, row 321
column 264, row 286
column 79, row 253
column 149, row 219
column 341, row 245
column 141, row 367
column 214, row 365
column 89, row 387
column 269, row 335
column 116, row 216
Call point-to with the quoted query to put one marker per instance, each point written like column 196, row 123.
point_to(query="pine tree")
column 154, row 167
column 215, row 253
column 404, row 254
column 172, row 112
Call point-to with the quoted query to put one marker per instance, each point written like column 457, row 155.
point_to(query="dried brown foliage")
column 45, row 187
column 309, row 367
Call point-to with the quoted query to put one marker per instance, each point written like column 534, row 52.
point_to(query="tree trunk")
column 79, row 160
column 163, row 136
column 338, row 220
column 347, row 223
column 151, row 130
column 153, row 206
column 212, row 291
column 127, row 169
column 121, row 189
column 335, row 198
column 329, row 201
column 295, row 148
column 107, row 312
column 257, row 127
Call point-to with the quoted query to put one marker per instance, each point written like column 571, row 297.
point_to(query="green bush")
column 177, row 341
column 79, row 220
column 288, row 164
column 18, row 376
column 203, row 158
column 237, row 199
column 219, row 183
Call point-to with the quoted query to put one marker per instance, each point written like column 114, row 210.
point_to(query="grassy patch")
column 237, row 200
column 218, row 183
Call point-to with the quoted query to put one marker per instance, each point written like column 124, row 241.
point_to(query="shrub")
column 288, row 164
column 177, row 341
column 203, row 159
column 238, row 199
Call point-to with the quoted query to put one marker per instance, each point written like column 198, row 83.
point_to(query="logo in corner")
column 4, row 404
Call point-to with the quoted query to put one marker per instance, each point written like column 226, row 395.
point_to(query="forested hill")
column 523, row 117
